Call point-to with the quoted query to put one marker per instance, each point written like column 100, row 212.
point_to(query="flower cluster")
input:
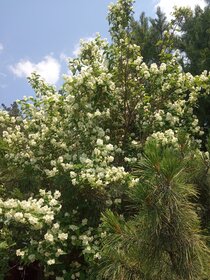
column 43, row 238
column 83, row 140
column 35, row 213
column 165, row 138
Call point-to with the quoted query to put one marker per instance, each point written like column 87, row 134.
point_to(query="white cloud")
column 76, row 50
column 168, row 5
column 1, row 47
column 63, row 57
column 48, row 69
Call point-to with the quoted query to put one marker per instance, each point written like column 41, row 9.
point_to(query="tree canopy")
column 105, row 177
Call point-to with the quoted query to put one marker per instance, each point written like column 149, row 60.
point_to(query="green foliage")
column 163, row 240
column 13, row 110
column 150, row 35
column 195, row 38
column 6, row 251
column 121, row 138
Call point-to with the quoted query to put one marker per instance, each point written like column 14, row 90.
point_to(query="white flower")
column 73, row 227
column 109, row 147
column 57, row 194
column 97, row 152
column 48, row 218
column 42, row 192
column 60, row 159
column 56, row 226
column 88, row 249
column 49, row 237
column 110, row 159
column 73, row 174
column 74, row 182
column 99, row 142
column 59, row 252
column 134, row 142
column 63, row 236
column 146, row 74
column 103, row 234
column 97, row 256
column 53, row 202
column 33, row 221
column 154, row 68
column 18, row 216
column 84, row 222
column 162, row 67
column 20, row 253
column 97, row 113
column 117, row 200
column 51, row 261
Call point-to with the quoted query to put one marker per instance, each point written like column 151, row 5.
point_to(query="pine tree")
column 149, row 33
column 194, row 39
column 163, row 240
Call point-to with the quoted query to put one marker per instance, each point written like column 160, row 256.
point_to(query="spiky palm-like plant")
column 163, row 240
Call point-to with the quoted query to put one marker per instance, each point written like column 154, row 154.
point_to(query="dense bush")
column 119, row 135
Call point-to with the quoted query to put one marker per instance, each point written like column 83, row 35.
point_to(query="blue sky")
column 40, row 34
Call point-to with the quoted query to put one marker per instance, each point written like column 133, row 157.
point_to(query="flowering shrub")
column 41, row 237
column 80, row 143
